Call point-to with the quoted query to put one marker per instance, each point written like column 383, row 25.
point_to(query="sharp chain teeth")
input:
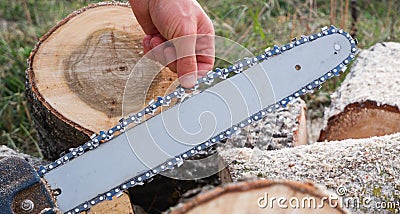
column 223, row 73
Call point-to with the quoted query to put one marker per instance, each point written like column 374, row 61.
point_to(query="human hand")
column 190, row 56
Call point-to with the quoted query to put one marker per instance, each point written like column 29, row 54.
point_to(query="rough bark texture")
column 77, row 74
column 367, row 104
column 361, row 168
column 255, row 197
column 281, row 129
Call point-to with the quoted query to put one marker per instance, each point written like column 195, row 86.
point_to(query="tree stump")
column 261, row 196
column 76, row 78
column 77, row 74
column 367, row 103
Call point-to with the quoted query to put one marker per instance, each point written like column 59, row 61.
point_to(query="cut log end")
column 260, row 196
column 362, row 120
column 97, row 70
column 77, row 76
column 367, row 104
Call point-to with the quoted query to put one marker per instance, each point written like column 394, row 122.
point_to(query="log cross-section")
column 261, row 196
column 77, row 74
column 368, row 101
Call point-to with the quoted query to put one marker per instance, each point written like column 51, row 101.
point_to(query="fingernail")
column 188, row 80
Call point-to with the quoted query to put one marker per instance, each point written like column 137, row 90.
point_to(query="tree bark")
column 282, row 129
column 367, row 103
column 359, row 168
column 77, row 75
column 260, row 196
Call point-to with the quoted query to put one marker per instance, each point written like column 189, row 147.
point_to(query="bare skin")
column 164, row 20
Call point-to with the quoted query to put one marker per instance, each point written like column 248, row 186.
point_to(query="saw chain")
column 154, row 105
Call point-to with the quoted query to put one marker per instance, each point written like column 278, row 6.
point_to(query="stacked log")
column 75, row 83
column 262, row 196
column 367, row 103
column 358, row 166
column 77, row 75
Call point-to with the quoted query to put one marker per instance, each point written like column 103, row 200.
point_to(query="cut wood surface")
column 78, row 71
column 257, row 197
column 362, row 167
column 281, row 129
column 368, row 101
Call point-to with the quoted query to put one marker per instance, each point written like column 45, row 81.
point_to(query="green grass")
column 256, row 24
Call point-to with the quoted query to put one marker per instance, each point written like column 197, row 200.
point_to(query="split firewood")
column 368, row 101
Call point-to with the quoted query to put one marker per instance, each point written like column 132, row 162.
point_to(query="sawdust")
column 364, row 167
column 379, row 65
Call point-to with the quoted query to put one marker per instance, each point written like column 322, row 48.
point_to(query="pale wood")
column 243, row 197
column 78, row 71
column 367, row 103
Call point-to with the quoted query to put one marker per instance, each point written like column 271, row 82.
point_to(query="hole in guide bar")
column 297, row 67
column 56, row 192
